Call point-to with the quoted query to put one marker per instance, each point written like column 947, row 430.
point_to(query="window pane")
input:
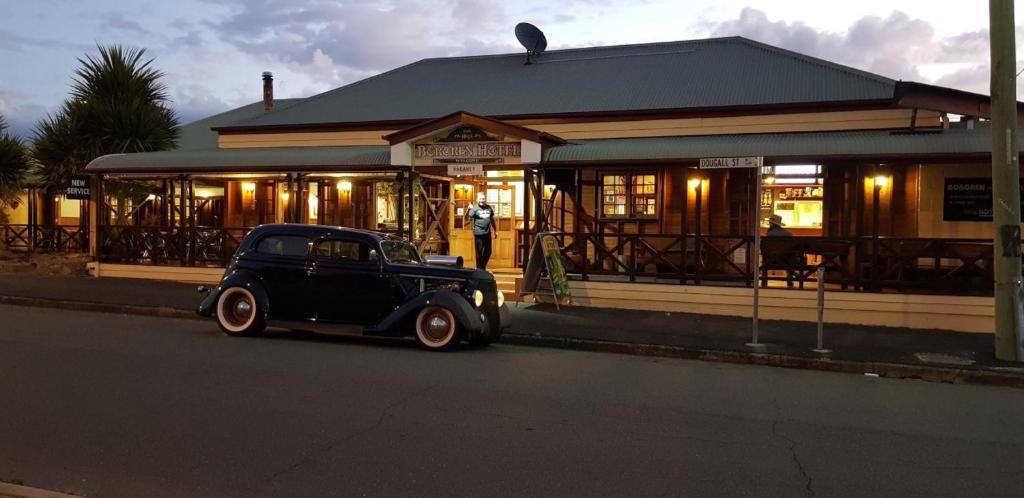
column 342, row 250
column 284, row 245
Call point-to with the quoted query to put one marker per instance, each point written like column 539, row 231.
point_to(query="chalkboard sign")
column 545, row 263
column 77, row 189
column 969, row 199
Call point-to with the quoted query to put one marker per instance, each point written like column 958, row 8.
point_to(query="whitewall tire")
column 436, row 328
column 238, row 313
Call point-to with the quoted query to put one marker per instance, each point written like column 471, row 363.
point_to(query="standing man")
column 482, row 215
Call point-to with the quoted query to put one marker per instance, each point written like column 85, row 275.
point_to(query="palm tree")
column 14, row 166
column 117, row 105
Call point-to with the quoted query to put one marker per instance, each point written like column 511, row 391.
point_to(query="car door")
column 281, row 261
column 349, row 282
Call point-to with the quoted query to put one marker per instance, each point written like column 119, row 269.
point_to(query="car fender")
column 237, row 278
column 399, row 322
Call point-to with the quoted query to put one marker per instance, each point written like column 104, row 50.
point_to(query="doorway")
column 505, row 195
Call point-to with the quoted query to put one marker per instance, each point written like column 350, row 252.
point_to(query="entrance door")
column 503, row 200
column 502, row 196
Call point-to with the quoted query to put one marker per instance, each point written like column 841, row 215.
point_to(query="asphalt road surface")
column 119, row 406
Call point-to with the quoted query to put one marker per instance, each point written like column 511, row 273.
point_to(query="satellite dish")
column 531, row 38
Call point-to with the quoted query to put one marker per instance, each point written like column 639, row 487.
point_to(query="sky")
column 213, row 51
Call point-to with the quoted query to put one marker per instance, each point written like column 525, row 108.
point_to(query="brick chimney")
column 268, row 90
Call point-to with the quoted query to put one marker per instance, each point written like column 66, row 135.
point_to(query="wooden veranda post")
column 95, row 215
column 400, row 202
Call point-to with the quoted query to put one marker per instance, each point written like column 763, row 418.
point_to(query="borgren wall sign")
column 969, row 199
column 77, row 189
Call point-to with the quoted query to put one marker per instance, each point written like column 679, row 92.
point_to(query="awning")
column 865, row 145
column 252, row 160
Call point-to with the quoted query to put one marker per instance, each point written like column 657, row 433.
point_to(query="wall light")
column 694, row 183
column 151, row 197
column 249, row 187
column 285, row 196
column 881, row 181
column 463, row 186
column 345, row 185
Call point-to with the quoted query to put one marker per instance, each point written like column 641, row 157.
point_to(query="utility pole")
column 1005, row 181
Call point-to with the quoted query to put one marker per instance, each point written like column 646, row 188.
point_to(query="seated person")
column 775, row 227
column 789, row 261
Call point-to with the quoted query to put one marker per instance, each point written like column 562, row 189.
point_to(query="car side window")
column 342, row 250
column 284, row 245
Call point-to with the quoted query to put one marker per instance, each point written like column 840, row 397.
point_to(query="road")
column 125, row 406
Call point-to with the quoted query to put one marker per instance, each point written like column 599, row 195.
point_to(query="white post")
column 821, row 313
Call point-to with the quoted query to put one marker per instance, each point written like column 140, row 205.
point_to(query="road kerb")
column 8, row 490
column 889, row 370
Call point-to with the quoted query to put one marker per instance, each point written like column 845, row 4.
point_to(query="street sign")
column 731, row 162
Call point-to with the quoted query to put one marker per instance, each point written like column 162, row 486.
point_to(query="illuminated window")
column 614, row 193
column 629, row 195
column 644, row 203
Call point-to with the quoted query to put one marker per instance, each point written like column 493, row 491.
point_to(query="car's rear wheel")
column 238, row 313
column 436, row 329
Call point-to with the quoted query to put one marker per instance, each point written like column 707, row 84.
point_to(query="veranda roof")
column 862, row 145
column 278, row 159
column 854, row 145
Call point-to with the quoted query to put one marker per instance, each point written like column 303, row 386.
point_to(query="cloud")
column 896, row 46
column 15, row 42
column 20, row 113
column 340, row 42
column 117, row 21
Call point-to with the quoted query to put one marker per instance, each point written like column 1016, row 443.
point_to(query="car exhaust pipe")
column 439, row 260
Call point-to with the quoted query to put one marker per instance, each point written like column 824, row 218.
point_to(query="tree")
column 117, row 105
column 14, row 166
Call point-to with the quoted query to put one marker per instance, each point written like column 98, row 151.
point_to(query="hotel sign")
column 731, row 162
column 468, row 151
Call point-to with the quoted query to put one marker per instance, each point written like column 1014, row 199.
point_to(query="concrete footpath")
column 885, row 351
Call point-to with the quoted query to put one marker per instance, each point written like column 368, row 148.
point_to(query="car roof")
column 319, row 231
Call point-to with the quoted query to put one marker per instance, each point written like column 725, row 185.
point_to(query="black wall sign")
column 969, row 199
column 78, row 189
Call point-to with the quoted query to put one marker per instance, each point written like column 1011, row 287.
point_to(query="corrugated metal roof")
column 246, row 160
column 822, row 145
column 718, row 72
column 852, row 144
column 198, row 135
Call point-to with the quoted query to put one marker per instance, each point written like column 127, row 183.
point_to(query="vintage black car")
column 312, row 277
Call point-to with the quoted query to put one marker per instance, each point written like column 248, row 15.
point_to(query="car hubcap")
column 241, row 310
column 437, row 327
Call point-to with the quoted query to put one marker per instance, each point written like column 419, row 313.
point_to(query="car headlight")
column 501, row 298
column 478, row 298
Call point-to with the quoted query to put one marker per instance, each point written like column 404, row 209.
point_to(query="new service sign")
column 77, row 189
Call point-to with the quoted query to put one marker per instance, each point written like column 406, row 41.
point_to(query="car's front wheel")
column 436, row 328
column 238, row 313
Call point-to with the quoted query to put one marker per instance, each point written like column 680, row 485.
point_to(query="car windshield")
column 399, row 252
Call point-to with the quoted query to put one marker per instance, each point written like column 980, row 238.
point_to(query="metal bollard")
column 821, row 313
